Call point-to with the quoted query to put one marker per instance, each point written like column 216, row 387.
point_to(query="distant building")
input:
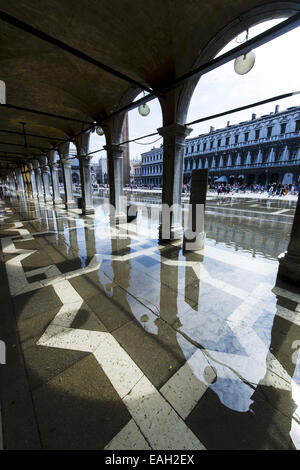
column 263, row 150
column 126, row 158
column 135, row 170
column 101, row 171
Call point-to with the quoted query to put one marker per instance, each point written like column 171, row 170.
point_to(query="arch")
column 250, row 18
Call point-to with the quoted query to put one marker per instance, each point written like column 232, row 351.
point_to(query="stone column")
column 53, row 165
column 66, row 162
column 45, row 178
column 173, row 154
column 289, row 261
column 32, row 180
column 115, row 178
column 20, row 181
column 82, row 145
column 12, row 183
column 38, row 179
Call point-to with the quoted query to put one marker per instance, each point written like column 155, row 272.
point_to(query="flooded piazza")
column 119, row 341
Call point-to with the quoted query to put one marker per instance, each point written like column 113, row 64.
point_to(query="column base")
column 88, row 210
column 175, row 233
column 57, row 201
column 289, row 268
column 194, row 242
column 120, row 218
column 70, row 205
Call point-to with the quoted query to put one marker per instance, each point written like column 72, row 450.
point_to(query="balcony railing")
column 248, row 143
column 252, row 166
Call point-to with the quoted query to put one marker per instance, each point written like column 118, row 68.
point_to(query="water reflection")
column 202, row 312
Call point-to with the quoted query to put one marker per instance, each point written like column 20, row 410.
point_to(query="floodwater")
column 205, row 340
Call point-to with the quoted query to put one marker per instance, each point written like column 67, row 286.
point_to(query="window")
column 219, row 142
column 236, row 139
column 257, row 134
column 198, row 147
column 204, row 146
column 227, row 141
column 298, row 125
column 246, row 136
column 283, row 128
column 269, row 131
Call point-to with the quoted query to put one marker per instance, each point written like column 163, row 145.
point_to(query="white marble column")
column 173, row 150
column 53, row 165
column 115, row 177
column 20, row 181
column 45, row 178
column 32, row 180
column 38, row 179
column 82, row 145
column 66, row 162
column 12, row 183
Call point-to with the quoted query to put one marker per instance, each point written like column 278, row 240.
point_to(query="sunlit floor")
column 125, row 343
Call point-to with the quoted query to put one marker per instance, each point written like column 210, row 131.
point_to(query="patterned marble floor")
column 115, row 341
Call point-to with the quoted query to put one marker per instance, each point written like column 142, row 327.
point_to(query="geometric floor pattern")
column 143, row 346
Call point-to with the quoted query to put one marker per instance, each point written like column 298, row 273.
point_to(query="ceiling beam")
column 43, row 113
column 34, row 135
column 28, row 146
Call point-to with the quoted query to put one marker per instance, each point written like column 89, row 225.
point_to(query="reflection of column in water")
column 36, row 211
column 188, row 280
column 23, row 205
column 44, row 218
column 51, row 218
column 89, row 233
column 277, row 388
column 121, row 270
column 60, row 221
column 71, row 235
column 169, row 280
column 168, row 303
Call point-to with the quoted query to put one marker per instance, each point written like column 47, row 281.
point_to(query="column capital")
column 85, row 158
column 175, row 130
column 114, row 150
column 66, row 161
column 51, row 157
column 82, row 143
column 54, row 165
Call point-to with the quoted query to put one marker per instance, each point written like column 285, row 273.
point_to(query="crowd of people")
column 274, row 189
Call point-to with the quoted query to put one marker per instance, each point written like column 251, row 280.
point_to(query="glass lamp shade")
column 99, row 130
column 244, row 63
column 144, row 109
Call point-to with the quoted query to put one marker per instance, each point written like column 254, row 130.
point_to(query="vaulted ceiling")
column 150, row 41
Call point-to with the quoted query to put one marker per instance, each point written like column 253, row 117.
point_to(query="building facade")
column 263, row 150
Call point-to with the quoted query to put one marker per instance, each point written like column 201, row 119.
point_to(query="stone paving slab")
column 135, row 344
